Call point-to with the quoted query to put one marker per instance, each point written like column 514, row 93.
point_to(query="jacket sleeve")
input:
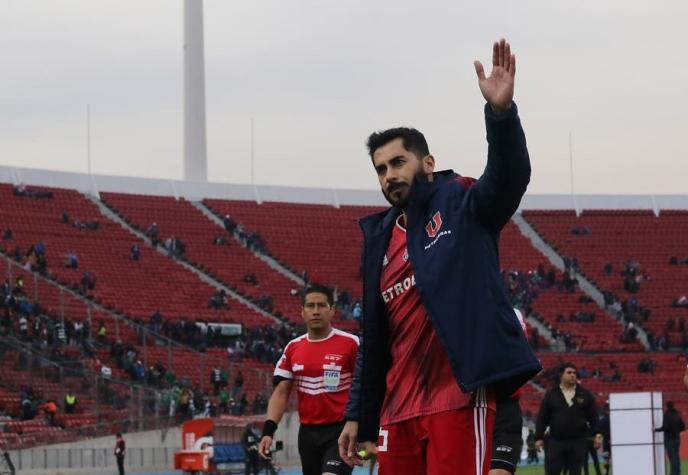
column 353, row 406
column 591, row 415
column 497, row 193
column 542, row 418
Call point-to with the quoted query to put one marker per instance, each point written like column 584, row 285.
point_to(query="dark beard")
column 400, row 203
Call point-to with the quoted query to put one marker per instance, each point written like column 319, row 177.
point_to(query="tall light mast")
column 195, row 161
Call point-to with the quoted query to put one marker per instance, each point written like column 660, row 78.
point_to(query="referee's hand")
column 264, row 447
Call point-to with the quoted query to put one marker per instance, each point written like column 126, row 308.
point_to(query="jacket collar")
column 421, row 192
column 379, row 223
column 422, row 189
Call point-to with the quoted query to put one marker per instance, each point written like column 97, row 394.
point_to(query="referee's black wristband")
column 269, row 428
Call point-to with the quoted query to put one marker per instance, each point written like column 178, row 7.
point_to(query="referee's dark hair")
column 412, row 140
column 319, row 289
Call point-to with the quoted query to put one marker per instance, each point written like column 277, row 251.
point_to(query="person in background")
column 70, row 402
column 569, row 411
column 120, row 448
column 672, row 426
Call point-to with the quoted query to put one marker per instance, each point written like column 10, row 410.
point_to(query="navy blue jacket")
column 452, row 231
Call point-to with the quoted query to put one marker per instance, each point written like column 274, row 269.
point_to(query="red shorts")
column 455, row 442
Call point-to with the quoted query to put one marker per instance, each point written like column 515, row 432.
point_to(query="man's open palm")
column 498, row 88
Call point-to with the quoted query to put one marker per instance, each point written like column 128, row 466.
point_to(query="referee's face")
column 317, row 312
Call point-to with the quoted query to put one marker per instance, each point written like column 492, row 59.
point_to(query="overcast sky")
column 318, row 76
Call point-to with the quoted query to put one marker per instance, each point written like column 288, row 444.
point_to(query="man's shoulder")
column 451, row 178
column 378, row 223
column 583, row 391
column 345, row 335
column 295, row 342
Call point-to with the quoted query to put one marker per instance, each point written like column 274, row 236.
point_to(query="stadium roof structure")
column 190, row 190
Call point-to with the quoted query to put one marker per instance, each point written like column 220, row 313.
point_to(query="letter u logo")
column 434, row 225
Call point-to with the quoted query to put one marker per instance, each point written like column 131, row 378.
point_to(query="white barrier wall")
column 636, row 448
column 191, row 190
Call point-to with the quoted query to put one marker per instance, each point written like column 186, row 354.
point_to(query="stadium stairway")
column 109, row 212
column 133, row 288
column 584, row 284
column 61, row 301
column 616, row 236
column 272, row 260
column 50, row 381
column 223, row 265
column 266, row 257
column 186, row 362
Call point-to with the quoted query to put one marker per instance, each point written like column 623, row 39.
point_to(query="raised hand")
column 498, row 89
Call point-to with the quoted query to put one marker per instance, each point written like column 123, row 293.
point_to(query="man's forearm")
column 277, row 407
column 507, row 173
column 279, row 401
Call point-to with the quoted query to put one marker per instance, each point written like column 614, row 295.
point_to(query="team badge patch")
column 434, row 225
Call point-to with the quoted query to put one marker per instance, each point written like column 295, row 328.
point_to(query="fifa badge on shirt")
column 331, row 377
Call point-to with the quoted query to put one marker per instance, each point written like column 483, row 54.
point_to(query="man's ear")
column 428, row 164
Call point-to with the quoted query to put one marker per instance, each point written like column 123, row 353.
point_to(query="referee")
column 319, row 365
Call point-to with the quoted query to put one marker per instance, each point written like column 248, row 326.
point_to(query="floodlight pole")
column 195, row 162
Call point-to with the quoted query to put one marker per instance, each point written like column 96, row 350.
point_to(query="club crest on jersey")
column 434, row 225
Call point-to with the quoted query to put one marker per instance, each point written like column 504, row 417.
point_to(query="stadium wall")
column 146, row 451
column 193, row 191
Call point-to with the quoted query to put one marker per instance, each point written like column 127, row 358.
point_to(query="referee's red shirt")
column 322, row 372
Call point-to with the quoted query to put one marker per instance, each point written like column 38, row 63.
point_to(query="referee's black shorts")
column 507, row 436
column 319, row 451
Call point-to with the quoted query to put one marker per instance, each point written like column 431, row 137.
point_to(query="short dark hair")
column 565, row 366
column 118, row 435
column 319, row 289
column 412, row 139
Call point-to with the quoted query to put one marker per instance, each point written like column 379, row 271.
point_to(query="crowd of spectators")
column 630, row 312
column 524, row 288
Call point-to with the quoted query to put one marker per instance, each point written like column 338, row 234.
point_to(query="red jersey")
column 420, row 381
column 322, row 371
